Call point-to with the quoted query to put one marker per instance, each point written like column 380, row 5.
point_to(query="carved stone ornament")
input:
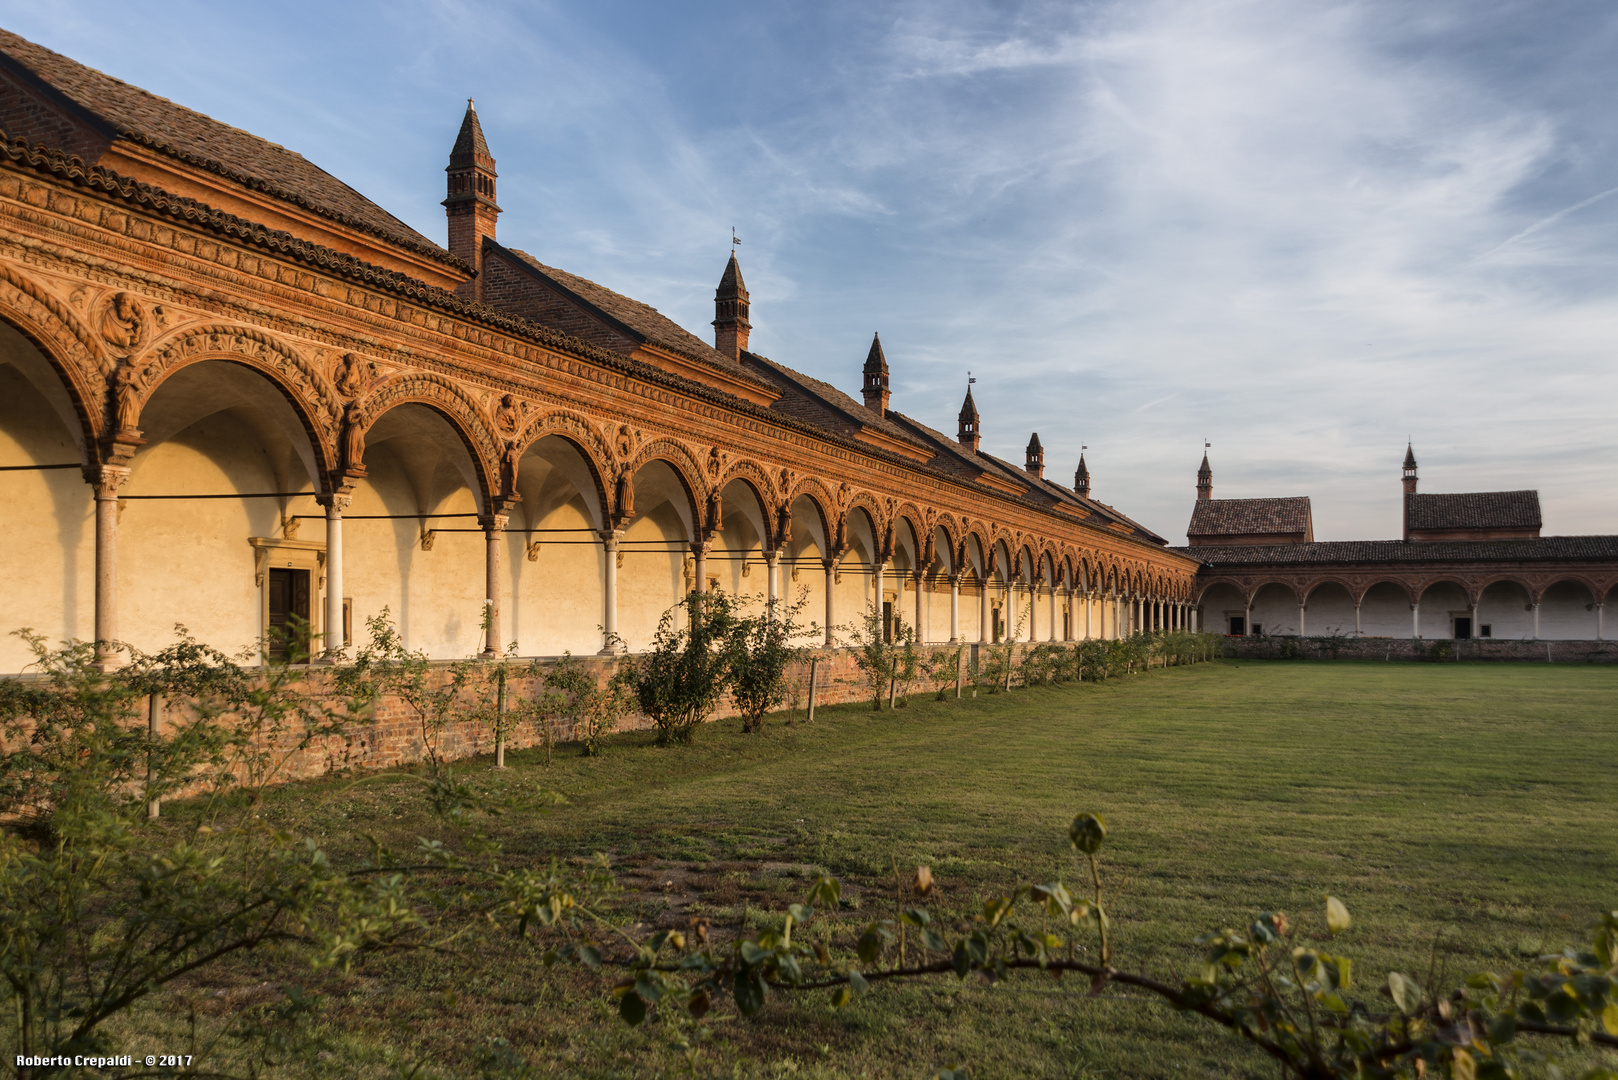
column 354, row 375
column 716, row 463
column 624, row 496
column 627, row 438
column 508, row 466
column 354, row 439
column 533, row 551
column 123, row 322
column 508, row 415
column 126, row 399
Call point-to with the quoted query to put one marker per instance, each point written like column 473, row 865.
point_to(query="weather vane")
column 969, row 379
column 735, row 241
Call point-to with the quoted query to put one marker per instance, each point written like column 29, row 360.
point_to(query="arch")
column 576, row 429
column 757, row 514
column 953, row 534
column 575, row 465
column 1424, row 584
column 450, row 401
column 864, row 500
column 297, row 380
column 1360, row 594
column 765, row 489
column 812, row 493
column 78, row 357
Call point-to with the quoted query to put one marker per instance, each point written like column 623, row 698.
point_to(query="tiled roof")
column 820, row 402
column 1547, row 548
column 1475, row 510
column 642, row 320
column 1249, row 517
column 205, row 143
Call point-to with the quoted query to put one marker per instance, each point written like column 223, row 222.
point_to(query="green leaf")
column 1503, row 1030
column 749, row 995
column 857, row 982
column 751, row 953
column 933, row 941
column 1087, row 833
column 801, row 913
column 915, row 917
column 1337, row 919
column 590, row 957
column 840, row 996
column 1405, row 991
column 632, row 1008
column 1609, row 1018
column 962, row 959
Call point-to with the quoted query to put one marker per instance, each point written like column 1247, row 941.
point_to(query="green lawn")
column 1467, row 815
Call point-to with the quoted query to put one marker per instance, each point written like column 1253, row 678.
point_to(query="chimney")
column 469, row 203
column 967, row 431
column 1205, row 479
column 1409, row 478
column 730, row 325
column 876, row 378
column 1035, row 462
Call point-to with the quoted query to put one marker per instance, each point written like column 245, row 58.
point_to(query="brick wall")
column 1377, row 648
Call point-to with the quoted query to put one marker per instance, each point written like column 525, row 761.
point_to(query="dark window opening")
column 1257, row 630
column 1238, row 625
column 1463, row 627
column 1485, row 630
column 289, row 613
column 887, row 622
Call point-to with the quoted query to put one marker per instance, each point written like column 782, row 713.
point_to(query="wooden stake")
column 500, row 723
column 154, row 719
column 814, row 669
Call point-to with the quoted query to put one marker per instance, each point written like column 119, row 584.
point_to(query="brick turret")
column 470, row 203
column 1035, row 461
column 876, row 378
column 967, row 431
column 730, row 325
column 1408, row 475
column 1205, row 478
column 1081, row 478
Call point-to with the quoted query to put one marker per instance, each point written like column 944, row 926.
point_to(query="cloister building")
column 234, row 391
column 1470, row 565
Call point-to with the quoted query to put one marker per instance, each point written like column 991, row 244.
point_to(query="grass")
column 1467, row 815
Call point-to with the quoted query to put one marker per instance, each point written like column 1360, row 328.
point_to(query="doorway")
column 289, row 613
column 1463, row 627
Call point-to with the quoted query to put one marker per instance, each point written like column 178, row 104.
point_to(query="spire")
column 469, row 201
column 1081, row 478
column 1205, row 478
column 967, row 431
column 1408, row 475
column 876, row 377
column 1035, row 462
column 730, row 324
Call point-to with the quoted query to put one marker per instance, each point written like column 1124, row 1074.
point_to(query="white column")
column 921, row 624
column 1600, row 629
column 494, row 529
column 985, row 614
column 1475, row 631
column 1247, row 620
column 831, row 600
column 1536, row 620
column 1052, row 636
column 1356, row 618
column 954, row 608
column 609, row 592
column 1088, row 600
column 107, row 480
column 699, row 559
column 772, row 569
column 335, row 505
column 876, row 584
column 1415, row 620
column 1301, row 610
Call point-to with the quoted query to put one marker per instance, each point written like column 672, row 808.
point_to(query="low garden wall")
column 1441, row 650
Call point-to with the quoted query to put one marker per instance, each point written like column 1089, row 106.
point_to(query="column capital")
column 703, row 546
column 610, row 537
column 494, row 523
column 338, row 500
column 106, row 479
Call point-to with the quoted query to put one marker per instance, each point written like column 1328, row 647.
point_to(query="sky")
column 1301, row 231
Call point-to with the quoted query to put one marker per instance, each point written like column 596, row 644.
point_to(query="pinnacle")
column 969, row 408
column 731, row 286
column 470, row 148
column 1410, row 456
column 875, row 361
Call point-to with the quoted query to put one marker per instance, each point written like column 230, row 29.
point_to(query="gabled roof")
column 639, row 320
column 121, row 111
column 820, row 402
column 1549, row 548
column 1474, row 510
column 1249, row 517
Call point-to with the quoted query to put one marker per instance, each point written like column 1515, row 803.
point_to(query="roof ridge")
column 12, row 43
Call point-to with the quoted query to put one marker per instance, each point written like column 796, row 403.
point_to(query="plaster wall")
column 47, row 530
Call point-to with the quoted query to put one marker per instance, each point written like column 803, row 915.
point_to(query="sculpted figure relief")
column 354, row 375
column 624, row 496
column 123, row 323
column 507, row 415
column 126, row 398
column 353, row 438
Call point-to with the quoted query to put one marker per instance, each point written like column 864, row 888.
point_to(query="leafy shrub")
column 679, row 681
column 757, row 658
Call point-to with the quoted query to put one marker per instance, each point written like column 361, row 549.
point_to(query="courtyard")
column 1467, row 814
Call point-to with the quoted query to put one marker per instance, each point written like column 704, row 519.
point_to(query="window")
column 1257, row 630
column 1238, row 625
column 1485, row 630
column 1462, row 627
column 289, row 612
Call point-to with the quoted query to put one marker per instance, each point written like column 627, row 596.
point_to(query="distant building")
column 1469, row 565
